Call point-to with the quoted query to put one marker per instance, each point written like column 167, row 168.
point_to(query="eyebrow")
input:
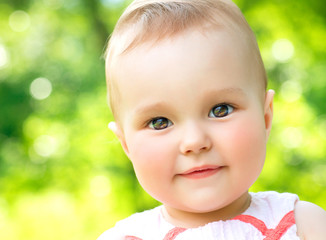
column 225, row 91
column 226, row 95
column 151, row 107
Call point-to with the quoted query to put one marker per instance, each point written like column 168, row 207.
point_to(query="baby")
column 187, row 88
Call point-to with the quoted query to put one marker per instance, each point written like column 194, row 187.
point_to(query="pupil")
column 160, row 123
column 221, row 111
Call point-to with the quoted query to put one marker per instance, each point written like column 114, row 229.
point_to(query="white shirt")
column 269, row 216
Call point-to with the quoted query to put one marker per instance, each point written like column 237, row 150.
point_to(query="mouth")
column 201, row 172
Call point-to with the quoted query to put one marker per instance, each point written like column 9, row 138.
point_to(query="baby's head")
column 187, row 88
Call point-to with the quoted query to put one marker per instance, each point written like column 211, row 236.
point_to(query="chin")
column 203, row 206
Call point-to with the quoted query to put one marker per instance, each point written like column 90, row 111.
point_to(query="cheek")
column 152, row 157
column 145, row 149
column 247, row 141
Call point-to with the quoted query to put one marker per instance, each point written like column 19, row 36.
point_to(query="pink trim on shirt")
column 271, row 234
column 173, row 233
column 132, row 238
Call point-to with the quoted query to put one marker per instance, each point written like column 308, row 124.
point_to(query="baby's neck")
column 186, row 219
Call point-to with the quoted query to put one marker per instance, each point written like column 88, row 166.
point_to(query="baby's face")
column 194, row 121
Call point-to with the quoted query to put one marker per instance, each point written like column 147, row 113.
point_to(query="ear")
column 268, row 110
column 117, row 130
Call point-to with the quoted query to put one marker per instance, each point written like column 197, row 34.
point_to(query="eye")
column 159, row 123
column 220, row 111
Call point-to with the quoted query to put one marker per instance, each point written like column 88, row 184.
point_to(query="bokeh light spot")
column 4, row 58
column 282, row 50
column 291, row 91
column 100, row 186
column 19, row 21
column 40, row 88
column 291, row 137
column 45, row 145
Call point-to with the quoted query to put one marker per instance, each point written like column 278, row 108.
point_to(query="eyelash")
column 163, row 123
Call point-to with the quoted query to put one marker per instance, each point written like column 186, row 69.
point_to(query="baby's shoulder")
column 310, row 220
column 137, row 224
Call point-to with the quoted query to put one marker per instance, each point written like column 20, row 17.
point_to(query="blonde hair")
column 153, row 20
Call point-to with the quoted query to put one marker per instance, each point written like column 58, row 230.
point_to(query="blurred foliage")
column 63, row 174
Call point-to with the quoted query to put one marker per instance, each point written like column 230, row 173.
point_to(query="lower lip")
column 201, row 174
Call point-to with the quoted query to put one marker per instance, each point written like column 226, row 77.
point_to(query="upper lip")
column 200, row 168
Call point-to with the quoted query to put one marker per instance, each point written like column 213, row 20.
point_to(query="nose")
column 195, row 139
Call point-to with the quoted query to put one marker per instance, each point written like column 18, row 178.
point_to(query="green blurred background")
column 63, row 174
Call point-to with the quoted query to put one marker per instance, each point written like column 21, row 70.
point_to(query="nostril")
column 194, row 151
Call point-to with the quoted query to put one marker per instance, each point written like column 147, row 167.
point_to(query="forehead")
column 184, row 63
column 184, row 53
